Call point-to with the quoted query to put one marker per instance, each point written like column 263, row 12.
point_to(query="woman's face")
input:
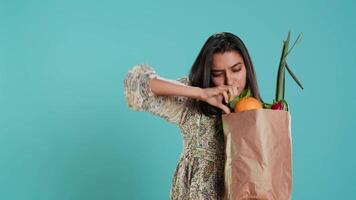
column 229, row 69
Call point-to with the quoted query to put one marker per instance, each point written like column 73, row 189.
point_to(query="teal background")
column 66, row 131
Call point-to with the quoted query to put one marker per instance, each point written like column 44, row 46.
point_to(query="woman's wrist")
column 197, row 93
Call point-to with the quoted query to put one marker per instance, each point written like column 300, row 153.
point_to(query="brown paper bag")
column 258, row 155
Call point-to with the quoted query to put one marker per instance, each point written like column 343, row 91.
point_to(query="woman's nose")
column 228, row 79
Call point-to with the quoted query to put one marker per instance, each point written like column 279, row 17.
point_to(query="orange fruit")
column 247, row 103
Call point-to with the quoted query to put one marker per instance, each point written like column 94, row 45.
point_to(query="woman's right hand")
column 215, row 96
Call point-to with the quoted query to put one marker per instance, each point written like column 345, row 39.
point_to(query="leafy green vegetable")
column 233, row 103
column 280, row 90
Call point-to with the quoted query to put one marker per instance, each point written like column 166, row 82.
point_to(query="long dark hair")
column 200, row 73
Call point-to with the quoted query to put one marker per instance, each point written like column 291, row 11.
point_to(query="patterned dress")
column 200, row 170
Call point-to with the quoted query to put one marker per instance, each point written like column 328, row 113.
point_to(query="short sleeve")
column 140, row 97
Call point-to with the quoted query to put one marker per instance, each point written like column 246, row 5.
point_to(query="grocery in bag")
column 258, row 155
column 258, row 141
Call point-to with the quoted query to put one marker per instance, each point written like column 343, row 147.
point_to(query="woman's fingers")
column 223, row 88
column 216, row 100
column 224, row 108
column 232, row 94
column 226, row 97
column 228, row 92
column 236, row 91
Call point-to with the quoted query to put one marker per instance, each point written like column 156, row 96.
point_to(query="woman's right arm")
column 164, row 87
column 214, row 96
column 147, row 91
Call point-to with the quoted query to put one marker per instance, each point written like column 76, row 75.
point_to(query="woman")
column 221, row 71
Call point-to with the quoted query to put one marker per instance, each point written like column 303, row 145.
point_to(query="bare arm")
column 164, row 87
column 213, row 96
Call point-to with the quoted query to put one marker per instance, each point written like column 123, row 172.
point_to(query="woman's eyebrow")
column 219, row 70
column 238, row 63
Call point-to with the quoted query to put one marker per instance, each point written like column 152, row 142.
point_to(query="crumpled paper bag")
column 258, row 161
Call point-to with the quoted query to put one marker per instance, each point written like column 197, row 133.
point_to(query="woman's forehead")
column 226, row 59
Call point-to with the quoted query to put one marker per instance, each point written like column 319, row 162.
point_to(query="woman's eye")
column 216, row 75
column 236, row 70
